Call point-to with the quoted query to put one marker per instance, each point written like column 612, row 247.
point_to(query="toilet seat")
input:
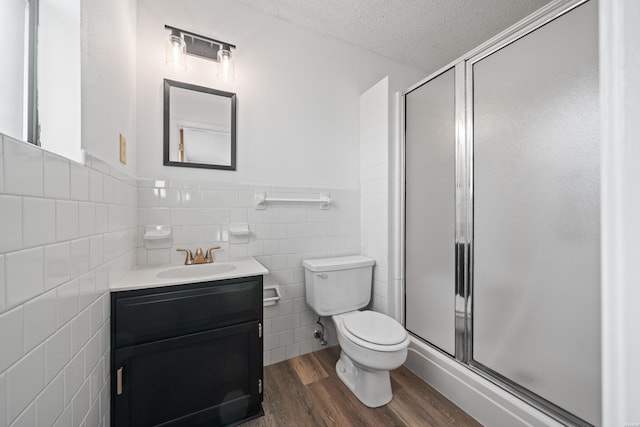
column 375, row 331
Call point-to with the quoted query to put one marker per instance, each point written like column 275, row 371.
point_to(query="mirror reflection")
column 199, row 126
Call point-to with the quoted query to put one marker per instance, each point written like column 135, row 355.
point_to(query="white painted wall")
column 298, row 94
column 109, row 80
column 12, row 77
column 374, row 187
column 620, row 107
column 396, row 210
column 59, row 77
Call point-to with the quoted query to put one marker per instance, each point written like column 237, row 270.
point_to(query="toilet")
column 372, row 343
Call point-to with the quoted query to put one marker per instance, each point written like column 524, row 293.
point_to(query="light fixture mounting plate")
column 199, row 45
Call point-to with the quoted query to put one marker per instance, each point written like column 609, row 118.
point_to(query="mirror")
column 199, row 126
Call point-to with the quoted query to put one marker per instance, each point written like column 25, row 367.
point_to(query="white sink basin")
column 147, row 278
column 198, row 270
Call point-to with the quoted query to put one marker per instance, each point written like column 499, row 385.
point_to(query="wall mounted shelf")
column 262, row 200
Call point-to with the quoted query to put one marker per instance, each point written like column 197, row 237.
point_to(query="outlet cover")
column 123, row 149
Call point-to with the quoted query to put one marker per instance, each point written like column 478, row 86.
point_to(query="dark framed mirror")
column 199, row 126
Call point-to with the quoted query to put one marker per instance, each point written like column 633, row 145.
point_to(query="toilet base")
column 373, row 388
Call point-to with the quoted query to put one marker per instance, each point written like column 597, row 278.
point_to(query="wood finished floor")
column 306, row 391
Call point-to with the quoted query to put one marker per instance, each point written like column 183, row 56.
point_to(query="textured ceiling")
column 426, row 34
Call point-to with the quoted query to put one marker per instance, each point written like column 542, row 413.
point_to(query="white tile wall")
column 24, row 275
column 86, row 219
column 38, row 221
column 23, row 168
column 3, row 400
column 56, row 176
column 96, row 185
column 67, row 230
column 57, row 260
column 25, row 380
column 1, row 181
column 11, row 224
column 58, row 351
column 79, row 256
column 66, row 220
column 73, row 376
column 79, row 331
column 64, row 420
column 11, row 337
column 27, row 418
column 96, row 251
column 39, row 319
column 3, row 288
column 281, row 237
column 79, row 182
column 50, row 403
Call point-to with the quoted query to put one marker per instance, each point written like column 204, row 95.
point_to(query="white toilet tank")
column 338, row 285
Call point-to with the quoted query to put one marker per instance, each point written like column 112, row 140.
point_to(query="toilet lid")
column 376, row 328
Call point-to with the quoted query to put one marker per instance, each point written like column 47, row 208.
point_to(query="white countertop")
column 146, row 278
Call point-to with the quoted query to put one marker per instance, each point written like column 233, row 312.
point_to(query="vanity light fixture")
column 181, row 43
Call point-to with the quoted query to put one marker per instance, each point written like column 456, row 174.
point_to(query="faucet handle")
column 189, row 259
column 198, row 258
column 209, row 257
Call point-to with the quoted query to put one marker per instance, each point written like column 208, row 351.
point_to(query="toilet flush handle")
column 322, row 275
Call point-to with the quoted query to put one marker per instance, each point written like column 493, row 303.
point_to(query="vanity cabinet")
column 187, row 355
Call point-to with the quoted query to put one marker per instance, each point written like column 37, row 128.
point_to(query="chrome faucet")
column 199, row 258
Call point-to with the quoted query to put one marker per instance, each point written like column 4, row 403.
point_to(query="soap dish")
column 157, row 236
column 239, row 229
column 239, row 232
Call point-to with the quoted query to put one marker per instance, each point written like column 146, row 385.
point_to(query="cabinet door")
column 209, row 378
column 152, row 314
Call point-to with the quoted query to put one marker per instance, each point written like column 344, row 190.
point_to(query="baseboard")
column 487, row 403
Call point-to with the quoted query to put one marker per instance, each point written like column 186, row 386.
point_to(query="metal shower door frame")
column 464, row 202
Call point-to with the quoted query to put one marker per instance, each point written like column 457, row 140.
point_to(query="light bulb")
column 226, row 66
column 176, row 53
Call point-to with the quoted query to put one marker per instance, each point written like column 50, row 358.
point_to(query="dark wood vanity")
column 187, row 355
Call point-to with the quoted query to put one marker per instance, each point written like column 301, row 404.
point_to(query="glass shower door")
column 536, row 261
column 430, row 211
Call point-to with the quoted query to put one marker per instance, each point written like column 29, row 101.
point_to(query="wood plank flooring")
column 306, row 391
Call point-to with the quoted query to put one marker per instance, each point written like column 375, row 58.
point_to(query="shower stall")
column 502, row 212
